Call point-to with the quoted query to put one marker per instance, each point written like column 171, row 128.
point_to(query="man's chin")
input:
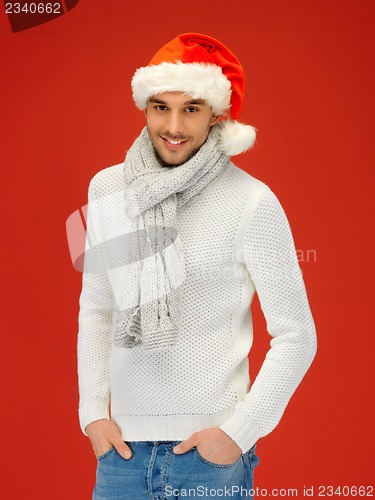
column 177, row 164
column 165, row 163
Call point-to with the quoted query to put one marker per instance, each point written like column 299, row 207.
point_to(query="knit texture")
column 237, row 242
column 152, row 195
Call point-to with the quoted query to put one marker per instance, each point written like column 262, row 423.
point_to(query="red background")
column 67, row 112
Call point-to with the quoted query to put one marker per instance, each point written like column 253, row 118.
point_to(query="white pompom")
column 235, row 137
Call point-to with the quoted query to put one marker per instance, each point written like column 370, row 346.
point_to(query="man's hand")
column 104, row 434
column 213, row 444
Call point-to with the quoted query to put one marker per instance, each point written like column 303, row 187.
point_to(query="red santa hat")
column 203, row 68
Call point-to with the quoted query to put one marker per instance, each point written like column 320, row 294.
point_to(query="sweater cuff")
column 91, row 410
column 242, row 430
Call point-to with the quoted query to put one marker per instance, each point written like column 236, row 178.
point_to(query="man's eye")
column 160, row 107
column 191, row 110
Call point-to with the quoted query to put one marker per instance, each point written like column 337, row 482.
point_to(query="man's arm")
column 95, row 322
column 270, row 257
column 94, row 339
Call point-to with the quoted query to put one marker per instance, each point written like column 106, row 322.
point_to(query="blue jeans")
column 155, row 472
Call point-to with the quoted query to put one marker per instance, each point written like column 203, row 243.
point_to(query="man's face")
column 178, row 125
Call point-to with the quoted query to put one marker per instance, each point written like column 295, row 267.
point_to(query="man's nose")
column 174, row 123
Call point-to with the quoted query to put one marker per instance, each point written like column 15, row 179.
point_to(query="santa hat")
column 203, row 68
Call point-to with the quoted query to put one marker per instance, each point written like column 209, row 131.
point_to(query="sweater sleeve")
column 94, row 323
column 270, row 257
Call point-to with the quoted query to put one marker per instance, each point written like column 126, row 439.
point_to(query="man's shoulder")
column 108, row 180
column 255, row 192
column 248, row 182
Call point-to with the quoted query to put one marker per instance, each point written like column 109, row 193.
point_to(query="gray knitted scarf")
column 153, row 194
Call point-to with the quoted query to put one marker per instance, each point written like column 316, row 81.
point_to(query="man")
column 178, row 241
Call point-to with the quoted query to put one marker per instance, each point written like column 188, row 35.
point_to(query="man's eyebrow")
column 195, row 101
column 155, row 100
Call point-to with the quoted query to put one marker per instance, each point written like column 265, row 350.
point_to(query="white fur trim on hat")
column 236, row 137
column 199, row 80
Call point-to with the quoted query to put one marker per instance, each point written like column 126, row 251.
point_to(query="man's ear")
column 214, row 119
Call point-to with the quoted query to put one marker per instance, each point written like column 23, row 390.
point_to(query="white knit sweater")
column 237, row 241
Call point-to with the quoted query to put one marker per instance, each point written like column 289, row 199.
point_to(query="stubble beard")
column 163, row 163
column 192, row 153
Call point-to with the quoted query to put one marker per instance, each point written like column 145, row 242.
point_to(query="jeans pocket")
column 106, row 453
column 213, row 464
column 253, row 458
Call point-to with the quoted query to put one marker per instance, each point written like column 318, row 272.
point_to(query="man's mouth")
column 173, row 143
